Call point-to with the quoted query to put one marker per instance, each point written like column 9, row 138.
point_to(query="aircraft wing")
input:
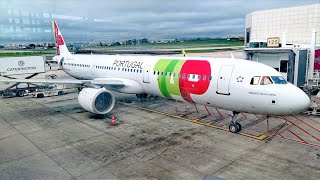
column 105, row 81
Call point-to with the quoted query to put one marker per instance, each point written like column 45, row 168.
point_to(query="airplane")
column 235, row 85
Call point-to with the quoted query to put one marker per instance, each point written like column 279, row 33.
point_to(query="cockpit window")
column 265, row 80
column 255, row 80
column 278, row 80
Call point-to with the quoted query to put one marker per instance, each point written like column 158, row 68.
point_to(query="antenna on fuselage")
column 183, row 52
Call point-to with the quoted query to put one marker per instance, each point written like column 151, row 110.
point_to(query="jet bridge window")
column 265, row 80
column 284, row 66
column 255, row 80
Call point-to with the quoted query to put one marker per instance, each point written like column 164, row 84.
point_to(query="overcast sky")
column 104, row 20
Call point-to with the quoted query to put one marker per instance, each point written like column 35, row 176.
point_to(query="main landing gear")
column 234, row 126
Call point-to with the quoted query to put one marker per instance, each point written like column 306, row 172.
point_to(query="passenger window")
column 199, row 76
column 183, row 75
column 188, row 76
column 178, row 75
column 265, row 80
column 204, row 77
column 174, row 74
column 193, row 76
column 158, row 73
column 255, row 80
column 210, row 77
column 161, row 73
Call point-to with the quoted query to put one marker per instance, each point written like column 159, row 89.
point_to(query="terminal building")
column 286, row 39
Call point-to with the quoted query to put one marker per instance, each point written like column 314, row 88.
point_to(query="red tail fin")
column 61, row 46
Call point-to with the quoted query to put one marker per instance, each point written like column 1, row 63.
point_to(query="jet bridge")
column 291, row 62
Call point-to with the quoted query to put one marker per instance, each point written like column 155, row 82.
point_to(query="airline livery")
column 233, row 84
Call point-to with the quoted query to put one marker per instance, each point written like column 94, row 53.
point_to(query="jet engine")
column 98, row 101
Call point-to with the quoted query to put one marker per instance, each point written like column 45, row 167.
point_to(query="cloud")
column 99, row 20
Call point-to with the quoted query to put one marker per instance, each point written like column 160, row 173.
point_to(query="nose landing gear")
column 234, row 126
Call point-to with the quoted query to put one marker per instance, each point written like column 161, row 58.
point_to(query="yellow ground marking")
column 224, row 128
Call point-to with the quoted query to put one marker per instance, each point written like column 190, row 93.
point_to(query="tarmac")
column 54, row 138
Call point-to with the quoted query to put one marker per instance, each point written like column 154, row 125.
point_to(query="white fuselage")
column 229, row 86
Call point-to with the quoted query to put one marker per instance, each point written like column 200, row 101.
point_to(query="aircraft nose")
column 305, row 101
column 301, row 101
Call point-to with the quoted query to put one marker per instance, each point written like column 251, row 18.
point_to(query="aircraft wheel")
column 233, row 127
column 239, row 126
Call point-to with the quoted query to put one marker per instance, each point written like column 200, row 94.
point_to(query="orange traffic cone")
column 113, row 121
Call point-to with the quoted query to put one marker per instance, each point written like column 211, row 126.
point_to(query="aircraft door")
column 224, row 80
column 93, row 69
column 146, row 74
column 61, row 63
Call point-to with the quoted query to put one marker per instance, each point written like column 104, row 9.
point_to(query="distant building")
column 294, row 23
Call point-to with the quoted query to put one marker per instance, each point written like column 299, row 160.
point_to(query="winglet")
column 61, row 45
column 183, row 52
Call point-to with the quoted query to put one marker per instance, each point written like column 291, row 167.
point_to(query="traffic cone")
column 113, row 121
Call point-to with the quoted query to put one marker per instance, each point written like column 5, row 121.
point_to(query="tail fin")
column 62, row 49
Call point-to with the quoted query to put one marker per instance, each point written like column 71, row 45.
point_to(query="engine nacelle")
column 98, row 101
